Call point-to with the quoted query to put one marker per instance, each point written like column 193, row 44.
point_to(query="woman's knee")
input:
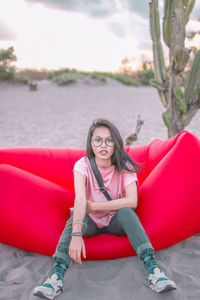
column 90, row 228
column 124, row 211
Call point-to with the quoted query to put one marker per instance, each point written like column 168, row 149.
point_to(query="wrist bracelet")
column 77, row 234
column 79, row 221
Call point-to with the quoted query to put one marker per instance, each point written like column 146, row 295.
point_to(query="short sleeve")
column 81, row 167
column 129, row 177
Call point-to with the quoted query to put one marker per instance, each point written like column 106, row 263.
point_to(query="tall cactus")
column 180, row 102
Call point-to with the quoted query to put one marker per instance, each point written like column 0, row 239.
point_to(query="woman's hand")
column 76, row 246
column 88, row 206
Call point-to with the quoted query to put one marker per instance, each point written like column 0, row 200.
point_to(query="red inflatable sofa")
column 37, row 191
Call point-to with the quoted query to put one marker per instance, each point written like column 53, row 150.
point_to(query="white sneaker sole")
column 167, row 286
column 45, row 292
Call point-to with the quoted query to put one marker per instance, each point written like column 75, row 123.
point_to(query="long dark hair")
column 120, row 157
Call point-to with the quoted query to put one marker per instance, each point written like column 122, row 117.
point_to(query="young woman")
column 94, row 214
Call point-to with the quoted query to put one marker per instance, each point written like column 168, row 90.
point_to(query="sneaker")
column 160, row 283
column 49, row 289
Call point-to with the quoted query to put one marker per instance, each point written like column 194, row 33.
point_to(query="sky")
column 82, row 34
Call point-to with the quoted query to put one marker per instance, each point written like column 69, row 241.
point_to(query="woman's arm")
column 130, row 200
column 80, row 200
column 77, row 244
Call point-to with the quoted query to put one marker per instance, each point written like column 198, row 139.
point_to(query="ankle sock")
column 149, row 260
column 59, row 268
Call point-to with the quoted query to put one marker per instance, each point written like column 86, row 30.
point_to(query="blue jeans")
column 124, row 222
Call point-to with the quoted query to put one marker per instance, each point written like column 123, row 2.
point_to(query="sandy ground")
column 59, row 117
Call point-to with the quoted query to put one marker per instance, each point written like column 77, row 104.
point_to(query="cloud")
column 97, row 8
column 94, row 8
column 140, row 7
column 6, row 33
column 105, row 8
column 118, row 29
column 145, row 45
column 195, row 15
column 112, row 11
column 193, row 26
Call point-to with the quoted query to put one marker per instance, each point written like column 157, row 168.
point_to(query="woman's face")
column 102, row 143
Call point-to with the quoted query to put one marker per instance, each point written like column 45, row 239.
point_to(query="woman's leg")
column 53, row 285
column 126, row 221
column 62, row 249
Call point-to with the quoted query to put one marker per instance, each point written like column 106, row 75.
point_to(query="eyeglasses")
column 98, row 141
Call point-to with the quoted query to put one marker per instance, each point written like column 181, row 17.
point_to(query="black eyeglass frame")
column 106, row 139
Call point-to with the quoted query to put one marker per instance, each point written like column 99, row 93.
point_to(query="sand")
column 59, row 117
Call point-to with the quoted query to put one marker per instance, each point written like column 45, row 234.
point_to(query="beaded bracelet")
column 79, row 221
column 78, row 233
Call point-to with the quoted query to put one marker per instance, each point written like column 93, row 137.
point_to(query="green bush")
column 59, row 72
column 8, row 72
column 127, row 80
column 145, row 76
column 64, row 78
column 101, row 77
column 26, row 80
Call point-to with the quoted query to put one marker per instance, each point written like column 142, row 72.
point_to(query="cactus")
column 166, row 119
column 180, row 105
column 157, row 84
column 180, row 100
column 167, row 22
column 181, row 58
column 160, row 70
column 188, row 6
column 193, row 77
column 198, row 93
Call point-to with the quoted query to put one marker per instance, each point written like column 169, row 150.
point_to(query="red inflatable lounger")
column 37, row 191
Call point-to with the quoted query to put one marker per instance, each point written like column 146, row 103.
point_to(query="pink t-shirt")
column 115, row 183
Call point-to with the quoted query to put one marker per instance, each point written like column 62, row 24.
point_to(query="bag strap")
column 99, row 178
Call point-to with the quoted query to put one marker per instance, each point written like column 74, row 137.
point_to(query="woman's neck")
column 103, row 163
